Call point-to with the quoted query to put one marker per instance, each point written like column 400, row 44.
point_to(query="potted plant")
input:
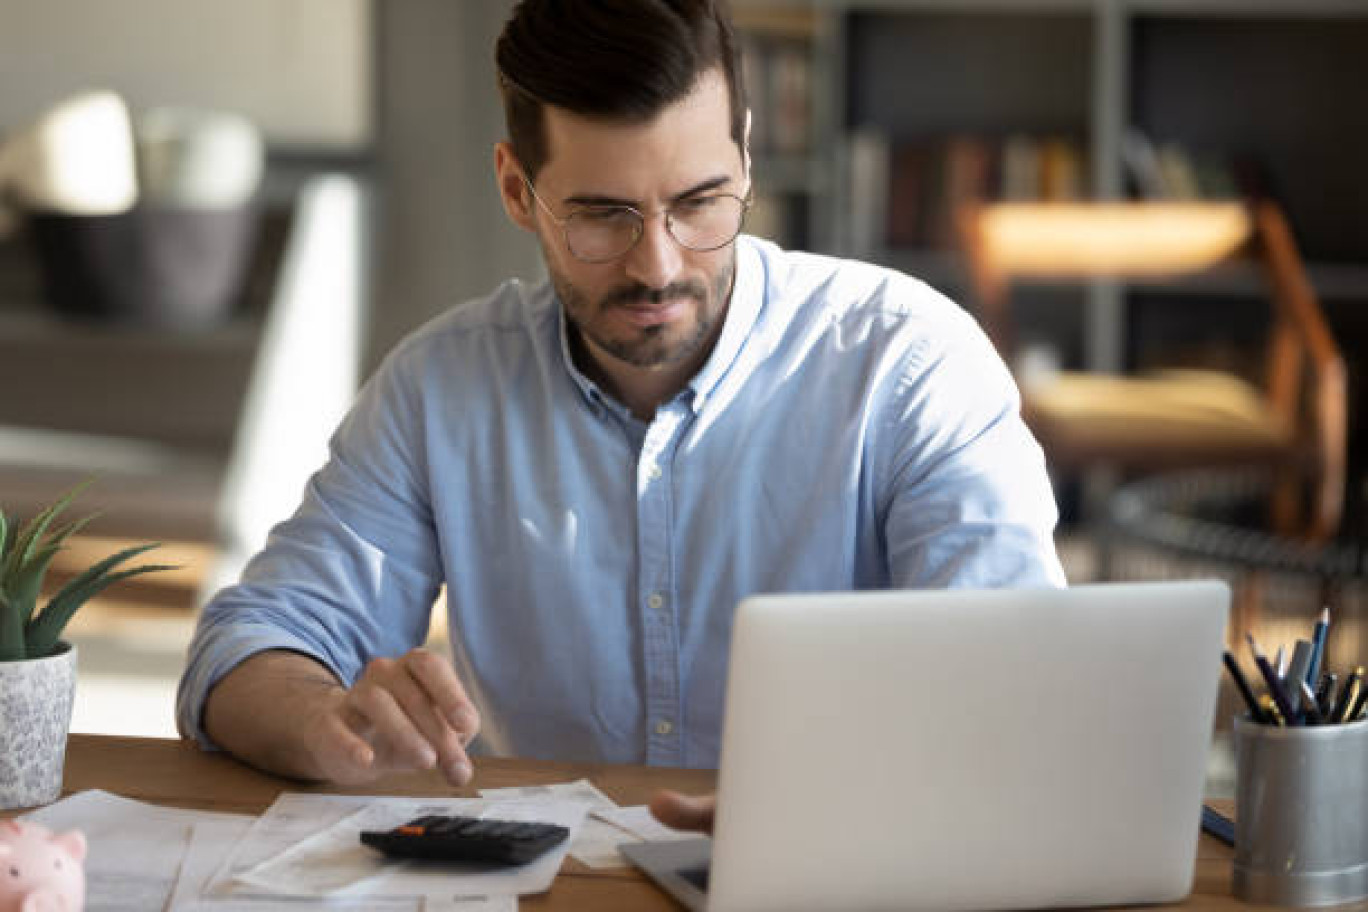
column 37, row 667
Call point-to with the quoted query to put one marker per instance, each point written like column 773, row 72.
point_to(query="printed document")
column 331, row 861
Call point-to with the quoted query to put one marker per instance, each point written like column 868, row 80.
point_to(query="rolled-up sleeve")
column 352, row 574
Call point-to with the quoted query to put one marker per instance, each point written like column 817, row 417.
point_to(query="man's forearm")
column 262, row 711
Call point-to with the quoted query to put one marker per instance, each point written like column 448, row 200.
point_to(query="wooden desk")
column 177, row 774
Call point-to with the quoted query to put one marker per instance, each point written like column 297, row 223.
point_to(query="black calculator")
column 437, row 837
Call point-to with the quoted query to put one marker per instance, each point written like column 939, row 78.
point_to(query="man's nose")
column 656, row 259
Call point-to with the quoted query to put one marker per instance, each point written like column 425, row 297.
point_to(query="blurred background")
column 316, row 181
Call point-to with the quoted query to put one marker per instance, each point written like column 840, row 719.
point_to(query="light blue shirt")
column 852, row 429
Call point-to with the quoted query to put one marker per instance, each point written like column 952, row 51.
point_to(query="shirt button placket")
column 655, row 549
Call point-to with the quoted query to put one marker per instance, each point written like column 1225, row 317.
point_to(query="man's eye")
column 696, row 204
column 603, row 216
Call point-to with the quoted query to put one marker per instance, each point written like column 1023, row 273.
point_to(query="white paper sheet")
column 581, row 790
column 136, row 849
column 213, row 841
column 333, row 862
column 608, row 826
column 293, row 818
column 638, row 821
column 470, row 904
column 596, row 843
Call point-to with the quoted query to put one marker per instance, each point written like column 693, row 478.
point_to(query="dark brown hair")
column 612, row 60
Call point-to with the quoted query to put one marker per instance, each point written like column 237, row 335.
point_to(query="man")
column 599, row 467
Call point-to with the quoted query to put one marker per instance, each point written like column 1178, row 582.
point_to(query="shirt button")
column 654, row 472
column 664, row 727
column 655, row 601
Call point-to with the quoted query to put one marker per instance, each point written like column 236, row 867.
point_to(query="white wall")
column 299, row 68
column 443, row 236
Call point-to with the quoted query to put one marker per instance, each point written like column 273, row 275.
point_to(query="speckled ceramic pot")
column 35, row 714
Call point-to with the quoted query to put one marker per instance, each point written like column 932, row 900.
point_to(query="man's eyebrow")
column 593, row 199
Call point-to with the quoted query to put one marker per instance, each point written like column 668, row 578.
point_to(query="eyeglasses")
column 598, row 234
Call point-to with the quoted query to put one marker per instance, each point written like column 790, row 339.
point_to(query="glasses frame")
column 746, row 202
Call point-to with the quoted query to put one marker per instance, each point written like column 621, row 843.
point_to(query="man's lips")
column 642, row 313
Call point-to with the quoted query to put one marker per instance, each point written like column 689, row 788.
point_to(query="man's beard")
column 649, row 346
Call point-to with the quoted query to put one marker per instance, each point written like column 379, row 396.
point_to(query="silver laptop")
column 959, row 750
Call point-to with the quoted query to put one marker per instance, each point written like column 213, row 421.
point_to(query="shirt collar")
column 588, row 389
column 742, row 312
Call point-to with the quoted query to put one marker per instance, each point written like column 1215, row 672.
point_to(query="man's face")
column 660, row 304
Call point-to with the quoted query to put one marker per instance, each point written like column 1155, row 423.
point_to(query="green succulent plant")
column 25, row 631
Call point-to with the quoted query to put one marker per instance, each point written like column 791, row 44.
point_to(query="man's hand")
column 284, row 712
column 684, row 812
column 401, row 714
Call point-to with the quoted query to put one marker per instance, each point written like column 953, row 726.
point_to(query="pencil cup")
column 1301, row 814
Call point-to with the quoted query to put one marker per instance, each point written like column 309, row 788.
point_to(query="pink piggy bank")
column 40, row 871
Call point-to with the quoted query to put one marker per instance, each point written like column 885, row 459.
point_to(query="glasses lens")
column 707, row 222
column 601, row 234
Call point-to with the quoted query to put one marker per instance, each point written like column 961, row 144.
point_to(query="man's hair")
column 612, row 60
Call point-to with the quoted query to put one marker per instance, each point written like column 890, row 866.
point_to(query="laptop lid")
column 966, row 749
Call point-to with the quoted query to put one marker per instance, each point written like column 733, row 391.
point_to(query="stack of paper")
column 305, row 851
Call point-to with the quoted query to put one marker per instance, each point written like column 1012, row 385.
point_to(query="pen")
column 1218, row 825
column 1275, row 688
column 1318, row 635
column 1242, row 684
column 1348, row 697
column 1280, row 662
column 1309, row 706
column 1270, row 710
column 1325, row 693
column 1297, row 670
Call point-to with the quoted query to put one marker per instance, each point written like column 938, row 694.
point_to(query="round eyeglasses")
column 598, row 234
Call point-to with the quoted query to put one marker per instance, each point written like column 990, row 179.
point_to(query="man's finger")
column 684, row 812
column 342, row 754
column 436, row 676
column 394, row 731
column 416, row 700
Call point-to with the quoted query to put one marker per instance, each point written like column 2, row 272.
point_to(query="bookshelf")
column 1271, row 81
column 1220, row 84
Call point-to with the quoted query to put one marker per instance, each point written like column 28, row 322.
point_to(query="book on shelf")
column 906, row 193
column 1172, row 170
column 868, row 152
column 777, row 71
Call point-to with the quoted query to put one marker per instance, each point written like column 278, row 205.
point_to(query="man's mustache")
column 640, row 295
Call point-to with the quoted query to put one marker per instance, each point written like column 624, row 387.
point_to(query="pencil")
column 1349, row 696
column 1242, row 685
column 1271, row 710
column 1275, row 688
column 1357, row 712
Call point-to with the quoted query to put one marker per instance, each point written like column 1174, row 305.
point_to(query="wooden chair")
column 1294, row 423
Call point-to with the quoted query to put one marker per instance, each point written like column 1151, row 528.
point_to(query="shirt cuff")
column 209, row 662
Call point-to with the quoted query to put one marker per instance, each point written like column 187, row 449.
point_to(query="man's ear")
column 517, row 202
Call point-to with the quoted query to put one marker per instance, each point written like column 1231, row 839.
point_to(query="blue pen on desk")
column 1318, row 635
column 1275, row 688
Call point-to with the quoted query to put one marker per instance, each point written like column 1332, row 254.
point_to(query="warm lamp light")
column 1099, row 239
